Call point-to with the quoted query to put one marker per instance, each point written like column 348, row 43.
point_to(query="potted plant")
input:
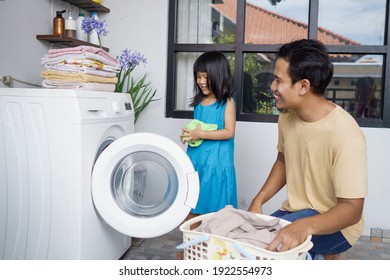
column 141, row 91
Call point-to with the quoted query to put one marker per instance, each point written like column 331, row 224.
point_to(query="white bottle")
column 70, row 26
column 80, row 33
column 93, row 37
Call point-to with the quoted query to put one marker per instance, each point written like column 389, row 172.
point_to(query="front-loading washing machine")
column 76, row 182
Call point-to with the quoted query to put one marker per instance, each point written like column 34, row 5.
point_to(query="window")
column 249, row 33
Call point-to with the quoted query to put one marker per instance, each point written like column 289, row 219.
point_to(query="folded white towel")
column 73, row 58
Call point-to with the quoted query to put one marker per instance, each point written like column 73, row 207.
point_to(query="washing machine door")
column 144, row 185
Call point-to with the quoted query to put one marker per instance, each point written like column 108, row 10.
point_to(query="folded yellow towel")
column 76, row 77
column 203, row 126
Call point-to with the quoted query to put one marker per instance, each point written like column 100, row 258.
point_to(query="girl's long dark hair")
column 220, row 79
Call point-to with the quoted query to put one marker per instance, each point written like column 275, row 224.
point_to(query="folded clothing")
column 86, row 58
column 242, row 226
column 81, row 69
column 80, row 50
column 78, row 85
column 76, row 77
column 203, row 126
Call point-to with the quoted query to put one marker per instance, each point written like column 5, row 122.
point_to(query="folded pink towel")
column 81, row 49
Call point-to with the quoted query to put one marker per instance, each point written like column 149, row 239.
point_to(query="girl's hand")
column 183, row 136
column 190, row 135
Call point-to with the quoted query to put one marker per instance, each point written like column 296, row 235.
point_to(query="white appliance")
column 76, row 182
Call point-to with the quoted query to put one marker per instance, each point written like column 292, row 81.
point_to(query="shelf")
column 66, row 41
column 89, row 5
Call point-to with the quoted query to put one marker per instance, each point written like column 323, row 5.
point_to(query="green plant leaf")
column 141, row 91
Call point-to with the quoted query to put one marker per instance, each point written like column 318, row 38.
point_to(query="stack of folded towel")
column 82, row 67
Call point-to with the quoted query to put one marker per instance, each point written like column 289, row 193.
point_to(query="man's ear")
column 304, row 86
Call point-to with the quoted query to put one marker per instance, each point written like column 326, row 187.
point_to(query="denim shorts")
column 331, row 244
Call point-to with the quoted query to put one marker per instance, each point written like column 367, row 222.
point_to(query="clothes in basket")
column 241, row 226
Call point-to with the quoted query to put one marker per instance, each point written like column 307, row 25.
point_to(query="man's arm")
column 347, row 212
column 275, row 182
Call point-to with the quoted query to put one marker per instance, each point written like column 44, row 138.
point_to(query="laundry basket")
column 204, row 246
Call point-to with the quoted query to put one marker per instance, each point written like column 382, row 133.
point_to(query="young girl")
column 213, row 159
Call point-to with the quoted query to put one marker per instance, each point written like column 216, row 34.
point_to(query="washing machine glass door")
column 144, row 185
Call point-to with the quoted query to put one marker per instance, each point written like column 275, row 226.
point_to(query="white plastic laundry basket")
column 204, row 246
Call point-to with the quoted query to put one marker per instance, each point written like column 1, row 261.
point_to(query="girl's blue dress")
column 214, row 162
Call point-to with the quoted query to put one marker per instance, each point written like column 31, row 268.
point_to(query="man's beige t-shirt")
column 325, row 160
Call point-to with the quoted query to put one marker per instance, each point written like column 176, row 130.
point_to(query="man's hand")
column 289, row 237
column 255, row 207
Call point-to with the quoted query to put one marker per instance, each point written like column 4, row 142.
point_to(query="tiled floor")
column 164, row 248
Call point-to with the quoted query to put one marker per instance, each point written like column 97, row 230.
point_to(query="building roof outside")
column 266, row 27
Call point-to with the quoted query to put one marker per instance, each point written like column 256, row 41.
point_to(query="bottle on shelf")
column 59, row 23
column 70, row 26
column 80, row 33
column 93, row 37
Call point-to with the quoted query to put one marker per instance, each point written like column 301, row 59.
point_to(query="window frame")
column 240, row 48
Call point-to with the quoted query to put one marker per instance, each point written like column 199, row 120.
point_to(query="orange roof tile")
column 265, row 27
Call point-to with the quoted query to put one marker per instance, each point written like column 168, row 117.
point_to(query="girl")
column 213, row 159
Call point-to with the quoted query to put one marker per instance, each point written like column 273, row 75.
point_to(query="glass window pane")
column 351, row 22
column 185, row 78
column 206, row 21
column 257, row 79
column 357, row 84
column 276, row 21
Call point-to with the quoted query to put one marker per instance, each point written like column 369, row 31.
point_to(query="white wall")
column 143, row 26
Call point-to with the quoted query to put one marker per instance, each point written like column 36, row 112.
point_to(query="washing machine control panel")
column 117, row 106
column 128, row 107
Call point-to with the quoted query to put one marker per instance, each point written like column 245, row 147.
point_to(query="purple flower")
column 129, row 60
column 141, row 91
column 89, row 24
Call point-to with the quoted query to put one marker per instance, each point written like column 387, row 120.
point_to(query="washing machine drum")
column 144, row 185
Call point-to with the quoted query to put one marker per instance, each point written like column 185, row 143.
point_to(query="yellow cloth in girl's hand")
column 203, row 126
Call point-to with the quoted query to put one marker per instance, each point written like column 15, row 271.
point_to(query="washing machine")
column 76, row 182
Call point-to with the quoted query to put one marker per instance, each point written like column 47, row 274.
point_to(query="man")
column 321, row 157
